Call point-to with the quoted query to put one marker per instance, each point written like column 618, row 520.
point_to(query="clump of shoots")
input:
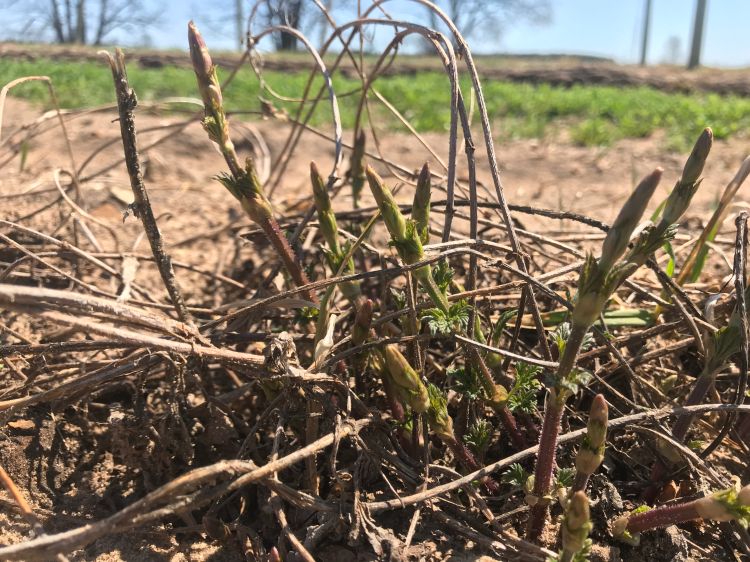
column 725, row 505
column 357, row 168
column 405, row 238
column 444, row 317
column 242, row 181
column 591, row 453
column 336, row 253
column 598, row 280
column 575, row 529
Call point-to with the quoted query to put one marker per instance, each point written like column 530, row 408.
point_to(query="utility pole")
column 697, row 43
column 239, row 21
column 646, row 27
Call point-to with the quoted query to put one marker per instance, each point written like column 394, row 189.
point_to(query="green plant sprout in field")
column 444, row 317
column 242, row 181
column 725, row 505
column 598, row 280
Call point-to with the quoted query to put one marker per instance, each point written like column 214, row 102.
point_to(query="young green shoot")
column 599, row 278
column 242, row 181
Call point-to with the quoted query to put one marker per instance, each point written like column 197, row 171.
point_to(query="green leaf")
column 443, row 274
column 455, row 320
column 522, row 397
column 505, row 317
column 478, row 436
column 515, row 475
column 670, row 265
column 399, row 298
column 466, row 382
column 564, row 478
column 575, row 380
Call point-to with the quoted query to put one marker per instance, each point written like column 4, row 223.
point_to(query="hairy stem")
column 545, row 464
column 467, row 460
column 553, row 412
column 580, row 482
column 662, row 517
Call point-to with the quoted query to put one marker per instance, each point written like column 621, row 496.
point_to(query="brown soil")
column 189, row 204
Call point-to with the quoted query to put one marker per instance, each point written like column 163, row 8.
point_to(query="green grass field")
column 593, row 115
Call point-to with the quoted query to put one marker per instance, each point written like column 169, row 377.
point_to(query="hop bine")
column 576, row 526
column 598, row 281
column 242, row 181
column 405, row 237
column 725, row 505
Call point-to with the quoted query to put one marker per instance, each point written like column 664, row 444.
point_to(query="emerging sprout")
column 357, row 168
column 591, row 453
column 576, row 527
column 725, row 505
column 679, row 200
column 420, row 210
column 619, row 234
column 405, row 238
column 407, row 384
column 362, row 322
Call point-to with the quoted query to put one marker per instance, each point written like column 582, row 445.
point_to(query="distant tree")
column 290, row 13
column 303, row 15
column 76, row 21
column 673, row 50
column 473, row 17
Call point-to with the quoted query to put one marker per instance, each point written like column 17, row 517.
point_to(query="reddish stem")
column 544, row 465
column 662, row 517
column 509, row 422
column 273, row 232
column 467, row 460
column 658, row 472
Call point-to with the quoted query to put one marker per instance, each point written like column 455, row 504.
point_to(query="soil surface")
column 190, row 204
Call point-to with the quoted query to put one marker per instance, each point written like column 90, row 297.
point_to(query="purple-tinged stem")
column 662, row 517
column 492, row 389
column 469, row 462
column 553, row 411
column 702, row 385
column 510, row 425
column 545, row 465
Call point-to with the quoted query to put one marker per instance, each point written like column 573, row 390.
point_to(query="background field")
column 587, row 103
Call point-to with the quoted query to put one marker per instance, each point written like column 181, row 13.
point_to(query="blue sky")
column 609, row 28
